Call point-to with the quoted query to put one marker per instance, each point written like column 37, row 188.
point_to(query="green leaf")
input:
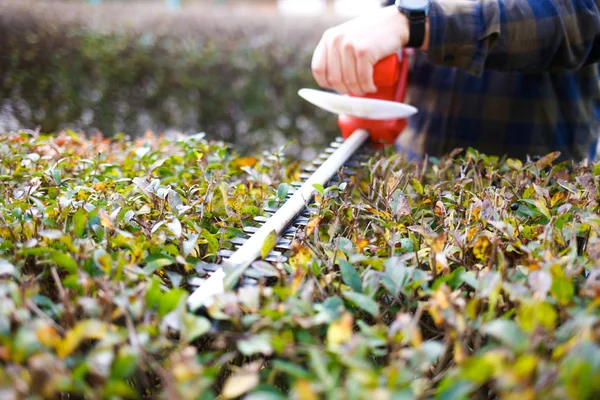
column 257, row 344
column 170, row 300
column 153, row 293
column 541, row 206
column 417, row 186
column 157, row 261
column 196, row 326
column 507, row 332
column 64, row 260
column 79, row 223
column 213, row 244
column 398, row 273
column 350, row 276
column 269, row 244
column 319, row 188
column 291, row 369
column 453, row 389
column 125, row 363
column 282, row 191
column 562, row 289
column 363, row 302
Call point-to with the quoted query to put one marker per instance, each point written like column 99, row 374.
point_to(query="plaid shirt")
column 513, row 77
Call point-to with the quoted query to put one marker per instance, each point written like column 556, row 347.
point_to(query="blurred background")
column 230, row 68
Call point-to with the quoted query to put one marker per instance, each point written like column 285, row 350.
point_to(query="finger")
column 319, row 64
column 349, row 74
column 364, row 71
column 334, row 68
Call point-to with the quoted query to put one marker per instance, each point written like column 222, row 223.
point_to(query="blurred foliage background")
column 232, row 70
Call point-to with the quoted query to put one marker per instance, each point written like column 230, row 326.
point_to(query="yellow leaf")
column 439, row 209
column 88, row 329
column 541, row 205
column 361, row 244
column 242, row 162
column 471, row 233
column 100, row 186
column 105, row 219
column 558, row 196
column 312, row 224
column 47, row 336
column 269, row 244
column 304, row 391
column 340, row 331
column 460, row 354
column 547, row 160
column 524, row 394
column 481, row 248
column 438, row 244
column 525, row 365
column 242, row 381
column 300, row 255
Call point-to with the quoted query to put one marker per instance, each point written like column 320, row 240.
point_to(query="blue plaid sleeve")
column 518, row 35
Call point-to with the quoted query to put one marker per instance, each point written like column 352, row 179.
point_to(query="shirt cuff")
column 461, row 33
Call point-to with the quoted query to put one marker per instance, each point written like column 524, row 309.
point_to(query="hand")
column 346, row 54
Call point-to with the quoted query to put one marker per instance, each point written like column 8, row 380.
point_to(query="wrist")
column 425, row 44
column 416, row 22
column 402, row 22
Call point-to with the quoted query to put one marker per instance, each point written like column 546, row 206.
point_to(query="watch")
column 416, row 11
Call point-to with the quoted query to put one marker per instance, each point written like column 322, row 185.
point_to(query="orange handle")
column 390, row 76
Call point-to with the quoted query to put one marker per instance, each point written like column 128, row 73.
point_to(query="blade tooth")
column 206, row 267
column 353, row 164
column 329, row 150
column 335, row 145
column 298, row 222
column 238, row 241
column 250, row 229
column 309, row 168
column 304, row 176
column 317, row 162
column 347, row 171
column 323, row 156
column 248, row 281
column 339, row 139
column 279, row 258
column 284, row 247
column 261, row 219
column 271, row 209
column 224, row 253
column 311, row 210
column 297, row 184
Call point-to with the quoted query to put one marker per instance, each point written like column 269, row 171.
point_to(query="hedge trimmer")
column 379, row 117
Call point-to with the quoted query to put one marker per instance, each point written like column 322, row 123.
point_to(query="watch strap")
column 416, row 33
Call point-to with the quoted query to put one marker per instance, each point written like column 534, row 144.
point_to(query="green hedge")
column 233, row 76
column 465, row 277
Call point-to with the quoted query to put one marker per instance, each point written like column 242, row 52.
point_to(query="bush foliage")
column 235, row 76
column 464, row 276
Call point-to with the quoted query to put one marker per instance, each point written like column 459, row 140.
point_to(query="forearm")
column 524, row 35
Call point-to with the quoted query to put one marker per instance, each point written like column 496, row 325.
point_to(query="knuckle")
column 318, row 69
column 347, row 45
column 361, row 51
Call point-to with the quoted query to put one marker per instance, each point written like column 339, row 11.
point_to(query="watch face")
column 413, row 4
